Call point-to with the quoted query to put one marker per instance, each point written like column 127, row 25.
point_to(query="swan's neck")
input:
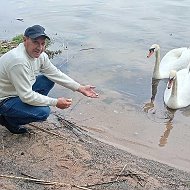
column 172, row 102
column 174, row 88
column 156, row 72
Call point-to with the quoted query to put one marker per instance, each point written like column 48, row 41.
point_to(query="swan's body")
column 175, row 59
column 177, row 92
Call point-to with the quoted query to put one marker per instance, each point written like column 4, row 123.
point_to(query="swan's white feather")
column 175, row 59
column 181, row 97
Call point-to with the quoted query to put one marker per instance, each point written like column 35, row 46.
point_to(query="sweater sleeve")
column 19, row 77
column 54, row 74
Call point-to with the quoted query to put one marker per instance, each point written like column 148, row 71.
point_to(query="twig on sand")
column 47, row 131
column 71, row 126
column 130, row 174
column 121, row 172
column 106, row 183
column 111, row 182
column 43, row 182
column 3, row 146
column 68, row 124
column 26, row 175
column 133, row 175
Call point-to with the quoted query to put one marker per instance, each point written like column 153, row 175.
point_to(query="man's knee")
column 43, row 113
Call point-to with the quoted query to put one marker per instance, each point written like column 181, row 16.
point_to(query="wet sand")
column 128, row 127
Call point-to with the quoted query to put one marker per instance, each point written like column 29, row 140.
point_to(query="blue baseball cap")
column 35, row 32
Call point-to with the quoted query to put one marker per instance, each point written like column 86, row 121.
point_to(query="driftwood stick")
column 84, row 49
column 33, row 180
column 80, row 187
column 42, row 181
column 29, row 176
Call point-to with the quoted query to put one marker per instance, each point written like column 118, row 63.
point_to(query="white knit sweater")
column 18, row 73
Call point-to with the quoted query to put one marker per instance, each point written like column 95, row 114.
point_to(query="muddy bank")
column 64, row 155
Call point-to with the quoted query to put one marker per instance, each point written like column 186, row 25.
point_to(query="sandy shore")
column 57, row 154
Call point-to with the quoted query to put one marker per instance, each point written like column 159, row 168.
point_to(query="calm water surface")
column 107, row 43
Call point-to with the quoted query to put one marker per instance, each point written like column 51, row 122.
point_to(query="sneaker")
column 15, row 130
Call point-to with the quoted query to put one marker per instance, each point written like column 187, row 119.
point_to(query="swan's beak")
column 151, row 51
column 170, row 82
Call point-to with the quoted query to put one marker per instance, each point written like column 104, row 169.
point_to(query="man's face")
column 34, row 47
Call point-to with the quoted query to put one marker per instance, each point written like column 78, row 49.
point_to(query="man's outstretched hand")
column 88, row 91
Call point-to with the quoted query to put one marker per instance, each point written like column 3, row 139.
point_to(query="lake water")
column 105, row 43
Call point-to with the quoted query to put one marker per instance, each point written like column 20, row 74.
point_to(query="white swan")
column 177, row 92
column 176, row 59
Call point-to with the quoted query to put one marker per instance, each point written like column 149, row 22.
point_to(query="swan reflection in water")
column 150, row 105
column 169, row 126
column 168, row 114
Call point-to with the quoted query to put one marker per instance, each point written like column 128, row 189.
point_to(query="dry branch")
column 43, row 182
column 71, row 126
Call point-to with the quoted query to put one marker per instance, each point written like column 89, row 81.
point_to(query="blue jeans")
column 18, row 113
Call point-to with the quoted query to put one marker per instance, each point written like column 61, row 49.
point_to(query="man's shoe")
column 15, row 130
